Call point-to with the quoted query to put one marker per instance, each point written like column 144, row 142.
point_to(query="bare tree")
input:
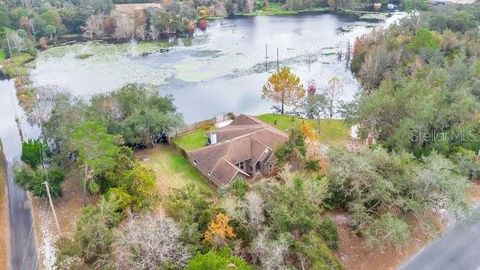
column 259, row 246
column 152, row 242
column 255, row 206
column 269, row 253
column 249, row 5
column 139, row 24
column 332, row 93
column 275, row 259
column 16, row 42
column 125, row 27
column 94, row 27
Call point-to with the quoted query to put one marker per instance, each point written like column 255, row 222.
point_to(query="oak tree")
column 285, row 88
column 96, row 150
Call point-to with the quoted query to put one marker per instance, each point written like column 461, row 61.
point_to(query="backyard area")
column 172, row 170
column 331, row 131
column 193, row 140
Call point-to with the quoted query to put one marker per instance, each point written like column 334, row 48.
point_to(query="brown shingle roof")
column 245, row 139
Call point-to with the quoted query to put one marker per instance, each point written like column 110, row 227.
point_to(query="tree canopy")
column 285, row 88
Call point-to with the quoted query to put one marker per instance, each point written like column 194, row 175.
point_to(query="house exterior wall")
column 204, row 172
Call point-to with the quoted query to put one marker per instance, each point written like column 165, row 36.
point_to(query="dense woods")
column 420, row 101
column 421, row 82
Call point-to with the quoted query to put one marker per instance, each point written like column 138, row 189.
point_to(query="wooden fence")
column 202, row 124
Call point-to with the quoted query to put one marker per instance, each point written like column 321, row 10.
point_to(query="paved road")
column 457, row 249
column 23, row 255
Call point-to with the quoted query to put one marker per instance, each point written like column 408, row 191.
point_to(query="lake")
column 221, row 69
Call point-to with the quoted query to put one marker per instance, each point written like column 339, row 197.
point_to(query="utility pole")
column 51, row 206
column 266, row 57
column 278, row 62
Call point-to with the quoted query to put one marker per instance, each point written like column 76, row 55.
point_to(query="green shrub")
column 192, row 209
column 119, row 198
column 312, row 165
column 294, row 148
column 423, row 39
column 357, row 62
column 467, row 163
column 217, row 260
column 32, row 152
column 93, row 187
column 312, row 247
column 290, row 208
column 328, row 230
column 387, row 229
column 34, row 180
column 239, row 187
column 92, row 238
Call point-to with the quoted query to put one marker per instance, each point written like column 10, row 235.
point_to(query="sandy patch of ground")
column 4, row 230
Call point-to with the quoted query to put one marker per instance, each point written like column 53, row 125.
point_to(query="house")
column 245, row 148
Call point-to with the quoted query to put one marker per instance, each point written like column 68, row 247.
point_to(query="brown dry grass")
column 67, row 208
column 4, row 230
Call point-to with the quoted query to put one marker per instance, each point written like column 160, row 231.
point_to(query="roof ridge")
column 263, row 152
column 261, row 143
column 216, row 164
column 236, row 168
column 251, row 117
column 247, row 134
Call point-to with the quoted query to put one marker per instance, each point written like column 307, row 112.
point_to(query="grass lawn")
column 171, row 168
column 192, row 140
column 332, row 131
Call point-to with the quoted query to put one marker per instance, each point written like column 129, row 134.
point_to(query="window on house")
column 242, row 166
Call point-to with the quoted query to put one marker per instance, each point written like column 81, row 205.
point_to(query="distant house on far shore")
column 245, row 148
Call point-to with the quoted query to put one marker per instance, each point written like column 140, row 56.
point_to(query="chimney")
column 213, row 138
